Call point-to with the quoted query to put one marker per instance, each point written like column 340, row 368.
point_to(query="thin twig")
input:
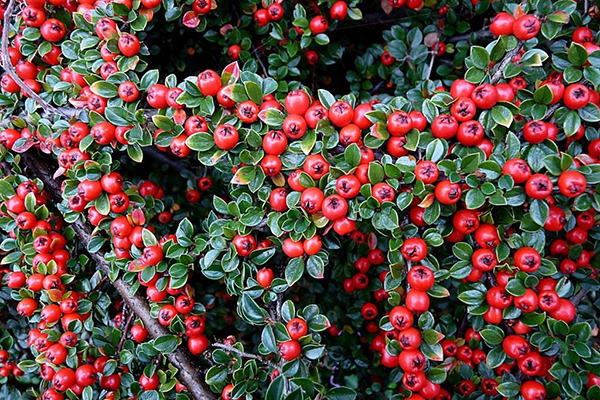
column 102, row 282
column 162, row 157
column 551, row 110
column 433, row 53
column 180, row 358
column 260, row 61
column 242, row 353
column 499, row 71
column 124, row 330
column 579, row 296
column 48, row 108
column 480, row 34
column 377, row 87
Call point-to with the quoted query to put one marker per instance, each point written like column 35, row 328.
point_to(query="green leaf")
column 201, row 141
column 272, row 117
column 275, row 390
column 268, row 339
column 429, row 110
column 340, row 393
column 236, row 92
column 463, row 251
column 103, row 204
column 185, row 231
column 166, row 344
column 480, row 57
column 571, row 123
column 135, row 153
column 148, row 238
column 252, row 312
column 326, row 98
column 502, row 115
column 150, row 78
column 254, row 91
column 163, row 122
column 474, row 199
column 543, row 95
column 472, row 297
column 352, row 155
column 104, row 89
column 437, row 375
column 6, row 190
column 294, row 270
column 119, row 116
column 590, row 113
column 375, row 172
column 436, row 150
column 509, row 389
column 216, row 375
column 493, row 335
column 539, row 211
column 577, row 54
column 315, row 267
column 495, row 357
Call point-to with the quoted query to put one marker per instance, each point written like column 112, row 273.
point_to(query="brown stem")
column 499, row 71
column 180, row 358
column 242, row 353
column 551, row 110
column 124, row 331
column 480, row 34
column 579, row 296
column 430, row 68
column 464, row 324
column 162, row 157
column 9, row 68
column 260, row 61
column 102, row 282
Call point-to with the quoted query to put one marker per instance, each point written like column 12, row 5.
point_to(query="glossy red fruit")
column 383, row 192
column 289, row 350
column 502, row 24
column 535, row 131
column 414, row 249
column 292, row 248
column 526, row 27
column 516, row 347
column 485, row 96
column 277, row 199
column 532, row 390
column 461, row 88
column 420, row 278
column 576, row 96
column 401, row 318
column 244, row 245
column 572, row 183
column 463, row 109
column 226, row 136
column 311, row 200
column 517, row 169
column 447, row 192
column 417, row 301
column 318, row 25
column 297, row 102
column 296, row 328
column 149, row 383
column 399, row 123
column 341, row 113
column 444, row 126
column 538, row 186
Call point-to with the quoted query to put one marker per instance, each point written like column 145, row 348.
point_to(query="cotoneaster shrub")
column 299, row 199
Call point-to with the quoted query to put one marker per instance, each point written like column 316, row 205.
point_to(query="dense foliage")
column 299, row 199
